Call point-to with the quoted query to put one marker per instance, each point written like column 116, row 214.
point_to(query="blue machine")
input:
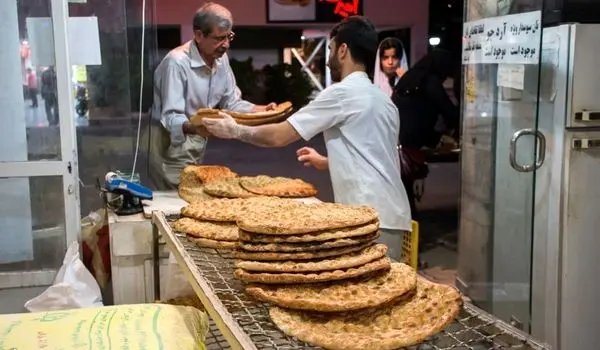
column 131, row 192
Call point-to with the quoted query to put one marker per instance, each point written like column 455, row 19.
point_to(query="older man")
column 194, row 75
column 360, row 124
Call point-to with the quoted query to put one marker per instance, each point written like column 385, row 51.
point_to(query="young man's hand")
column 225, row 128
column 310, row 157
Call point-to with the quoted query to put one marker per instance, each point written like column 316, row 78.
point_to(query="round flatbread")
column 278, row 186
column 315, row 277
column 188, row 178
column 193, row 194
column 219, row 231
column 210, row 243
column 366, row 292
column 276, row 256
column 305, row 218
column 399, row 324
column 228, row 188
column 208, row 173
column 358, row 258
column 307, row 247
column 281, row 108
column 228, row 209
column 319, row 236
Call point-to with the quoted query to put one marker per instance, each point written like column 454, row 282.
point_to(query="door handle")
column 541, row 148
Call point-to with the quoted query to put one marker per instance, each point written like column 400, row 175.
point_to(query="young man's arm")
column 322, row 113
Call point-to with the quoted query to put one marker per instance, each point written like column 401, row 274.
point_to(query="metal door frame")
column 67, row 167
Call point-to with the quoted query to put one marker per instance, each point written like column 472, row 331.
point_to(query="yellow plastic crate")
column 410, row 247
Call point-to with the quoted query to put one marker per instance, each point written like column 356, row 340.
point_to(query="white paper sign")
column 503, row 39
column 511, row 76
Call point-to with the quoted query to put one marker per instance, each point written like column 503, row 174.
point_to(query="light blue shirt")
column 183, row 83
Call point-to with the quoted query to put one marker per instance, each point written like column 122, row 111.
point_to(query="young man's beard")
column 335, row 70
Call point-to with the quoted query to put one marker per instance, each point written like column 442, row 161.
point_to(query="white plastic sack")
column 73, row 288
column 177, row 285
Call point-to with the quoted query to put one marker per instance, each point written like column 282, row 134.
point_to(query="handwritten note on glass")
column 503, row 39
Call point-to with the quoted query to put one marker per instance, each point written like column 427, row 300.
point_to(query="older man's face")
column 216, row 43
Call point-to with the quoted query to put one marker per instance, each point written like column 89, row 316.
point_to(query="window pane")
column 32, row 224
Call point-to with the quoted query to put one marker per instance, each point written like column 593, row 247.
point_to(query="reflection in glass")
column 29, row 133
column 32, row 224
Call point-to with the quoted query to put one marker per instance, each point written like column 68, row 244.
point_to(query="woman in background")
column 390, row 64
column 421, row 98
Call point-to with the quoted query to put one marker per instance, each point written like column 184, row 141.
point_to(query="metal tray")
column 243, row 323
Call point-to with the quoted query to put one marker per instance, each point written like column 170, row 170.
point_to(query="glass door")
column 501, row 150
column 39, row 209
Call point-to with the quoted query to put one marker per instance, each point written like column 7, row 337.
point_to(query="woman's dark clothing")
column 420, row 97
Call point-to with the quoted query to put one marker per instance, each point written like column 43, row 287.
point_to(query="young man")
column 195, row 75
column 360, row 124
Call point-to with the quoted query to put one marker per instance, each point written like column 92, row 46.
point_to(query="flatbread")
column 366, row 292
column 228, row 188
column 402, row 323
column 345, row 261
column 281, row 108
column 188, row 178
column 257, row 118
column 249, row 121
column 305, row 219
column 210, row 243
column 278, row 186
column 324, row 276
column 319, row 236
column 277, row 256
column 208, row 173
column 193, row 194
column 218, row 231
column 307, row 247
column 263, row 121
column 228, row 209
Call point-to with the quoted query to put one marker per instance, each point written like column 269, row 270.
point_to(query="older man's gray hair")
column 212, row 15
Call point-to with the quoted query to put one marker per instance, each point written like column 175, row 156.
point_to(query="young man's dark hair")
column 359, row 34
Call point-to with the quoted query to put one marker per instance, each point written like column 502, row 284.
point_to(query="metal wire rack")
column 244, row 323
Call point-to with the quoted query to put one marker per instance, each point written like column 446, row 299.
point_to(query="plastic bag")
column 95, row 246
column 74, row 287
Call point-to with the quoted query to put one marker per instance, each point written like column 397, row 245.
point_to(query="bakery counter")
column 132, row 252
column 244, row 322
column 133, row 266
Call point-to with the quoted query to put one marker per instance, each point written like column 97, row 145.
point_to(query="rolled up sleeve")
column 232, row 99
column 172, row 91
column 322, row 113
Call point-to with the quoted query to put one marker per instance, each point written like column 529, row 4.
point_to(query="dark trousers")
column 33, row 92
column 50, row 102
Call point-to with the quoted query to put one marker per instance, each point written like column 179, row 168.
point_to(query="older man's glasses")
column 227, row 37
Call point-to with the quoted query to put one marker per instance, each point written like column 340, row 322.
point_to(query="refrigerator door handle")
column 541, row 149
column 513, row 150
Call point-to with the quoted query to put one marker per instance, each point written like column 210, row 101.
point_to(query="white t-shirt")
column 361, row 125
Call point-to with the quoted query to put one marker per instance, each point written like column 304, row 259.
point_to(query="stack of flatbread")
column 262, row 185
column 212, row 224
column 194, row 177
column 255, row 118
column 328, row 282
column 308, row 243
